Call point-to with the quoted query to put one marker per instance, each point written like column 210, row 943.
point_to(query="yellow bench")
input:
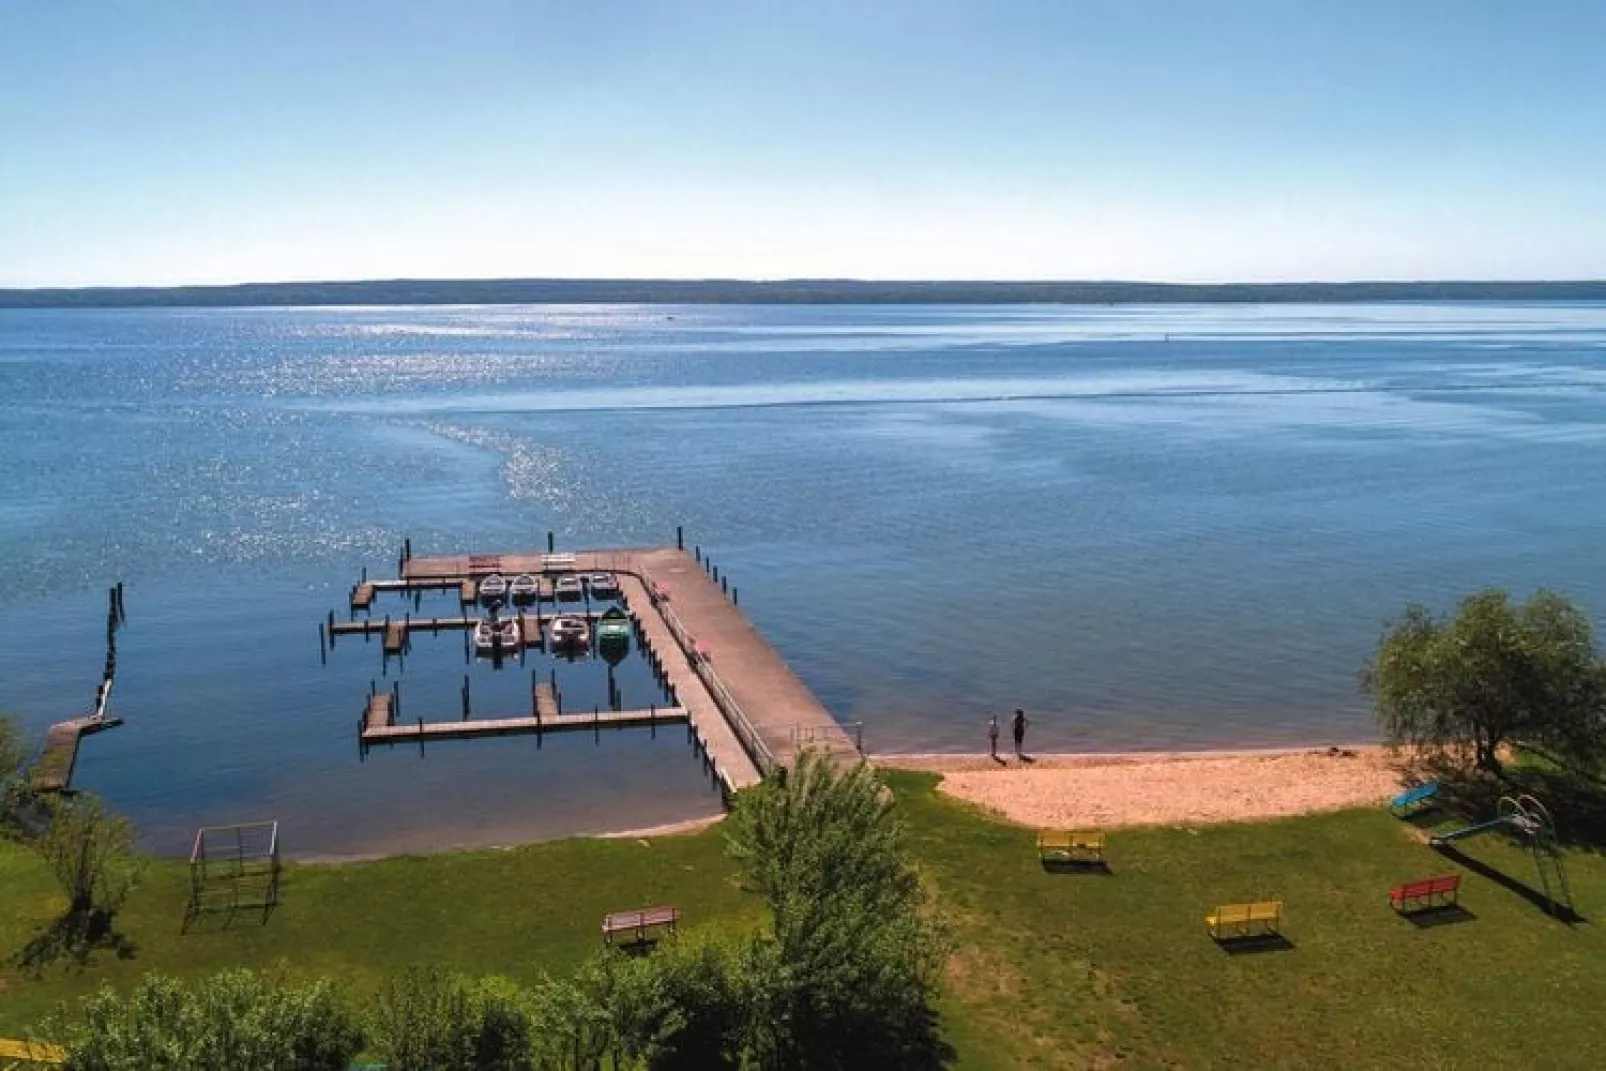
column 1069, row 847
column 1263, row 919
column 36, row 1052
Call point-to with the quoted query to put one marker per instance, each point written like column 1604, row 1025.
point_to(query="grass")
column 1051, row 969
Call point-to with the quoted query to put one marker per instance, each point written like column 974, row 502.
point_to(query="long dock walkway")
column 759, row 687
column 732, row 762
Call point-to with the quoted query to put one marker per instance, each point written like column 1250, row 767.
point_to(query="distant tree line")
column 786, row 292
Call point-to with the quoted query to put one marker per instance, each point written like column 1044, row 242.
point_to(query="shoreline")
column 1165, row 788
column 1040, row 779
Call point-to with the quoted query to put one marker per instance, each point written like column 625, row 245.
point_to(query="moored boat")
column 496, row 637
column 603, row 585
column 569, row 588
column 613, row 629
column 524, row 588
column 569, row 631
column 493, row 588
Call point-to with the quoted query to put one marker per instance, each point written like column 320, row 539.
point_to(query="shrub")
column 232, row 1020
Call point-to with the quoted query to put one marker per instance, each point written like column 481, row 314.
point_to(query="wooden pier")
column 748, row 710
column 53, row 772
column 412, row 733
column 54, row 769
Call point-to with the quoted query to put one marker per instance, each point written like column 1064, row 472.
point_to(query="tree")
column 235, row 1019
column 684, row 1007
column 90, row 850
column 1492, row 674
column 846, row 974
column 427, row 1020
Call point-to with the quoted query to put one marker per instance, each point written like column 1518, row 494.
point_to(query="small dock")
column 546, row 702
column 54, row 769
column 420, row 731
column 53, row 772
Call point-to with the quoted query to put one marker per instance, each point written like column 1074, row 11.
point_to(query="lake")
column 1155, row 527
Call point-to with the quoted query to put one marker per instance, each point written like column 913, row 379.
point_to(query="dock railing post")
column 680, row 538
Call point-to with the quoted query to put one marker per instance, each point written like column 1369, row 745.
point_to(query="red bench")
column 1440, row 891
column 639, row 925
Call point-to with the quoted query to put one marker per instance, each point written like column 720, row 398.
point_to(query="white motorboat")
column 603, row 585
column 569, row 631
column 496, row 637
column 524, row 588
column 493, row 588
column 569, row 588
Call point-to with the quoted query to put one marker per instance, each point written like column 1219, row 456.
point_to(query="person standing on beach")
column 1020, row 730
column 992, row 735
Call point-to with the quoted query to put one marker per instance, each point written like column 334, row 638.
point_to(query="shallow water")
column 1154, row 527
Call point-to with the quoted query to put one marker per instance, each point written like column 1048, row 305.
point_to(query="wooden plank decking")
column 732, row 763
column 53, row 772
column 381, row 711
column 405, row 733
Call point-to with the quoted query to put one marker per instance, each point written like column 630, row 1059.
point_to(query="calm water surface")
column 1154, row 527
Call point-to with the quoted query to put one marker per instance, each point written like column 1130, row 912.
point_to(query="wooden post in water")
column 467, row 698
column 551, row 541
column 736, row 596
column 323, row 646
column 331, row 628
column 697, row 552
column 680, row 538
column 725, row 585
column 420, row 737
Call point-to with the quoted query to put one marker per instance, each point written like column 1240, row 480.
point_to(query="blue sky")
column 1194, row 141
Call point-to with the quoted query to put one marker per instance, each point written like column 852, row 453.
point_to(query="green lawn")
column 1052, row 969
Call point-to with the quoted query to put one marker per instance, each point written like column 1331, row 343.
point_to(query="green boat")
column 613, row 628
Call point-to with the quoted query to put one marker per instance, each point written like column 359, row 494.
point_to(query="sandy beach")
column 1170, row 788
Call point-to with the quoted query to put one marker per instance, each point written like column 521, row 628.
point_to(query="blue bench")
column 1419, row 798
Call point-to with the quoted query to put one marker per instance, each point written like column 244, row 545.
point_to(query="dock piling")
column 551, row 541
column 680, row 538
column 323, row 646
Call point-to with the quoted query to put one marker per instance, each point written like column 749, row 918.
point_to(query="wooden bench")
column 1236, row 921
column 1417, row 799
column 33, row 1052
column 1086, row 849
column 1442, row 890
column 640, row 925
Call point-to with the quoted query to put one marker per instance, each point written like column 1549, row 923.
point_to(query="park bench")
column 638, row 926
column 31, row 1052
column 1418, row 798
column 1070, row 847
column 1234, row 921
column 1440, row 891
